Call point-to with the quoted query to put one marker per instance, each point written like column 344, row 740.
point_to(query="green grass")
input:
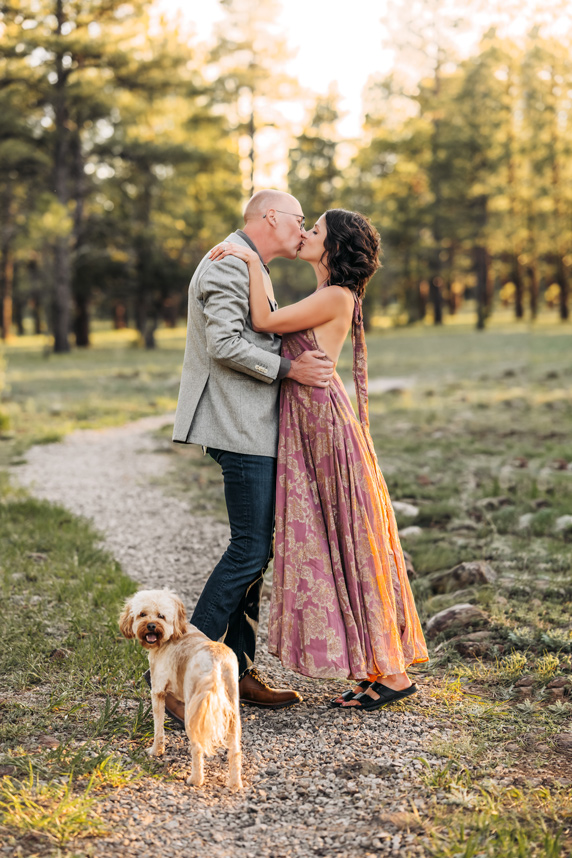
column 72, row 716
column 478, row 438
column 109, row 384
column 51, row 812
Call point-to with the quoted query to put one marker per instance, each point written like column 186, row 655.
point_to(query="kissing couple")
column 259, row 392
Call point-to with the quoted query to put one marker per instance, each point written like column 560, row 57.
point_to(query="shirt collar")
column 252, row 245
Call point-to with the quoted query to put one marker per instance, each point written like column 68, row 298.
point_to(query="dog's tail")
column 210, row 714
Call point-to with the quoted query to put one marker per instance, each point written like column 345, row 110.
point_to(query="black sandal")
column 386, row 695
column 176, row 722
column 336, row 702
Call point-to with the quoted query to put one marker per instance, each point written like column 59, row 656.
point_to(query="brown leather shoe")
column 255, row 692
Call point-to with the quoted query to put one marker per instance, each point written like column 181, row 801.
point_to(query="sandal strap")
column 363, row 697
column 365, row 684
column 348, row 694
column 390, row 694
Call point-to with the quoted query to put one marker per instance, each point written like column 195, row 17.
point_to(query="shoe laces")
column 255, row 675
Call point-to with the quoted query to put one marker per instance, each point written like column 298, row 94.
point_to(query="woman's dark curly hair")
column 352, row 247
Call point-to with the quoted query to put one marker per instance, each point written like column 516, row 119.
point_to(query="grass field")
column 475, row 433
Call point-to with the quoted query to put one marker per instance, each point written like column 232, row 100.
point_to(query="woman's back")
column 331, row 336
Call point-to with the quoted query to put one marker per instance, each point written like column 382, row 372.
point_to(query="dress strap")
column 360, row 362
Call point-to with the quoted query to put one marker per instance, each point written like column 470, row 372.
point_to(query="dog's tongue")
column 150, row 638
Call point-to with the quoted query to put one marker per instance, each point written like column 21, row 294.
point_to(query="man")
column 228, row 403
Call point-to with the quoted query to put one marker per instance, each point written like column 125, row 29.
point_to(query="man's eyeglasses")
column 302, row 219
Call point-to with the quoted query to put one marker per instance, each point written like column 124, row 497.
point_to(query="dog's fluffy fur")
column 201, row 672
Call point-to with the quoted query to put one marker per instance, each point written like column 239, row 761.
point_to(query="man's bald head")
column 274, row 221
column 258, row 205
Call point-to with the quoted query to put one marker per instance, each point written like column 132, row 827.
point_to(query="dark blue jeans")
column 229, row 605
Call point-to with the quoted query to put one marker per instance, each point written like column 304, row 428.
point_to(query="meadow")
column 473, row 431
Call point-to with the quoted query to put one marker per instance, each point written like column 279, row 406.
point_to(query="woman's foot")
column 396, row 682
column 350, row 693
column 383, row 695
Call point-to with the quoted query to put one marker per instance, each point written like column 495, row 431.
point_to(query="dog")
column 201, row 672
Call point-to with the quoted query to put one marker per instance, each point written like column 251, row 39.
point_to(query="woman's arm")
column 316, row 309
column 259, row 307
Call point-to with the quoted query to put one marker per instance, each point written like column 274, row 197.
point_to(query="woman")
column 341, row 602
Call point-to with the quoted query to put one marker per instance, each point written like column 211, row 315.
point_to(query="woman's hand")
column 227, row 248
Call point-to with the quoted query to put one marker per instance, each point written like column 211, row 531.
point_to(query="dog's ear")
column 126, row 621
column 180, row 621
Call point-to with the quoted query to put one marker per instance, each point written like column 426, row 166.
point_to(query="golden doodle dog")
column 203, row 673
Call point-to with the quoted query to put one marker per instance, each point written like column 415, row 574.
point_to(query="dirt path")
column 318, row 781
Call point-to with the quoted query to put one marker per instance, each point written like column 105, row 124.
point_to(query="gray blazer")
column 228, row 398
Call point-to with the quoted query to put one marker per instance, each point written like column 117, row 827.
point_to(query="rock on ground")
column 317, row 781
column 468, row 574
column 455, row 617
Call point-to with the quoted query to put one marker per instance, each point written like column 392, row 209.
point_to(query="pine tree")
column 250, row 56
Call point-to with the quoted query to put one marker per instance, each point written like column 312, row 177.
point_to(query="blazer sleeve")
column 225, row 297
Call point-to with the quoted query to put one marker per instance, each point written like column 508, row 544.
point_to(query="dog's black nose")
column 151, row 627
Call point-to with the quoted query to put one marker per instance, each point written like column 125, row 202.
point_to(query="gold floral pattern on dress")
column 341, row 604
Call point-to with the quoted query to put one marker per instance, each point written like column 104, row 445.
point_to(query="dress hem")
column 341, row 675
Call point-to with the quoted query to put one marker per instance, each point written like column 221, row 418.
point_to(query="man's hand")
column 312, row 368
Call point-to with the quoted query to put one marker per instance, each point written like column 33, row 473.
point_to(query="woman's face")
column 312, row 248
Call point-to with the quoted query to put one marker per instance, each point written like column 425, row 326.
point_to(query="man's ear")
column 270, row 216
column 180, row 621
column 126, row 621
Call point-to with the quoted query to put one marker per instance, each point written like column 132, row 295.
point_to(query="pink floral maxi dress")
column 341, row 604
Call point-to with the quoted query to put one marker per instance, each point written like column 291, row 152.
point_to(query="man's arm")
column 224, row 290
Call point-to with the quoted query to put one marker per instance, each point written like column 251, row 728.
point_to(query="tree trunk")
column 81, row 321
column 19, row 314
column 171, row 310
column 35, row 296
column 146, row 322
column 62, row 296
column 7, row 264
column 62, row 263
column 141, row 313
column 435, row 263
column 518, row 280
column 17, row 302
column 367, row 310
column 482, row 272
column 562, row 280
column 7, row 292
column 450, row 296
column 150, row 341
column 436, row 296
column 82, row 291
column 119, row 316
column 534, row 290
column 422, row 290
column 252, row 132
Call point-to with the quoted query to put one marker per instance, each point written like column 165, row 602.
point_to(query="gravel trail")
column 318, row 782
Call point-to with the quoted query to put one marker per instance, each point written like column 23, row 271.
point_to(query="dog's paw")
column 156, row 751
column 195, row 780
column 234, row 784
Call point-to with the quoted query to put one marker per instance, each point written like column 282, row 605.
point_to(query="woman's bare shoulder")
column 341, row 293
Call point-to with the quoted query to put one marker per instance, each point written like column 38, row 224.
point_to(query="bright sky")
column 333, row 41
column 340, row 42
